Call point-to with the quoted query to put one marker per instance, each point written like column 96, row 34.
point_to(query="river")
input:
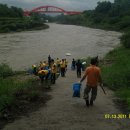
column 21, row 50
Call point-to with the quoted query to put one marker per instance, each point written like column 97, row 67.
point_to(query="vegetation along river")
column 21, row 50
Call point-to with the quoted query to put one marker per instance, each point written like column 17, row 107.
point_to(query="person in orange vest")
column 58, row 64
column 62, row 66
column 46, row 66
column 66, row 65
column 93, row 75
column 42, row 74
column 41, row 65
column 53, row 75
column 52, row 62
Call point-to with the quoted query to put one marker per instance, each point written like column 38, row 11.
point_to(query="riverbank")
column 20, row 24
column 116, row 73
column 20, row 94
column 63, row 112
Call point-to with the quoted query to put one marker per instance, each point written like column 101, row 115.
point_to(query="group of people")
column 51, row 69
column 48, row 70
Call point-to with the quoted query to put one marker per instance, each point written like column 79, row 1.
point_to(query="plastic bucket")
column 76, row 89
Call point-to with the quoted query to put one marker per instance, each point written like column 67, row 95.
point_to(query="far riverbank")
column 8, row 25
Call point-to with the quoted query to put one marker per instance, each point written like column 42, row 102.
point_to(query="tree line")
column 12, row 11
column 12, row 19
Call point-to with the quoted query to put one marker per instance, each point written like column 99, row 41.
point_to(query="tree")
column 103, row 7
column 6, row 11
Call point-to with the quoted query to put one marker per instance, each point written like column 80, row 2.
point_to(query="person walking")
column 34, row 69
column 62, row 66
column 73, row 64
column 93, row 75
column 66, row 65
column 79, row 67
column 49, row 60
column 58, row 65
column 53, row 75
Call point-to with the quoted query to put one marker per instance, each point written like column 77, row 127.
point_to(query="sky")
column 70, row 5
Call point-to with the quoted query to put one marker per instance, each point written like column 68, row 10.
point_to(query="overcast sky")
column 76, row 5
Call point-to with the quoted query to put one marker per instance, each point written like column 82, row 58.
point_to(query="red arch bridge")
column 50, row 9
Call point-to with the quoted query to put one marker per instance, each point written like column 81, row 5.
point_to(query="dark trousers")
column 62, row 72
column 73, row 67
column 53, row 78
column 79, row 73
column 47, row 77
column 41, row 78
column 58, row 68
column 93, row 93
column 35, row 71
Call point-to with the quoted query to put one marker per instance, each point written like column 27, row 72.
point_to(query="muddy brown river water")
column 21, row 50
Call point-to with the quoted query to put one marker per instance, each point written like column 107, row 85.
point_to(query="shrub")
column 125, row 40
column 113, row 20
column 5, row 101
column 12, row 27
column 124, row 94
column 12, row 89
column 116, row 73
column 5, row 30
column 124, row 24
column 5, row 70
column 33, row 96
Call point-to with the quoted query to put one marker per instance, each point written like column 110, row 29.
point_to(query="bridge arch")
column 50, row 9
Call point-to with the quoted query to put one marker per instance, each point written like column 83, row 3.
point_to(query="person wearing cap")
column 93, row 75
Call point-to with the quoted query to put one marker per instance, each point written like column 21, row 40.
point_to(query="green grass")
column 116, row 72
column 10, row 89
column 124, row 94
column 5, row 70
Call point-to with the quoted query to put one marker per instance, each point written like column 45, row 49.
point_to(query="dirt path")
column 66, row 113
